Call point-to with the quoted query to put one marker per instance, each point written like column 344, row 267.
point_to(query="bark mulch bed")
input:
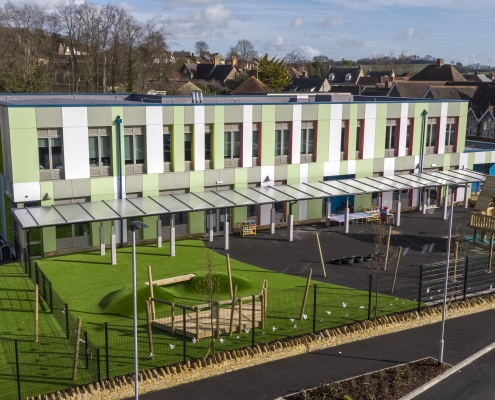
column 386, row 384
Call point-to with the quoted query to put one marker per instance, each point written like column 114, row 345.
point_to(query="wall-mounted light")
column 47, row 197
column 267, row 179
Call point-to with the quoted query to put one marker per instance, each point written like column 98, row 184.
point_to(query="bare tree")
column 201, row 46
column 245, row 50
column 293, row 58
column 209, row 288
column 380, row 259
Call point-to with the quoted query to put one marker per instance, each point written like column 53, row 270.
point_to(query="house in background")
column 312, row 85
column 344, row 76
column 438, row 72
column 476, row 77
column 209, row 73
column 252, row 86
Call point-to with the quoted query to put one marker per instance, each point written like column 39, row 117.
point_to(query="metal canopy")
column 35, row 217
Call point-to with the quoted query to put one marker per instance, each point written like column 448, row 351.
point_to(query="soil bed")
column 386, row 384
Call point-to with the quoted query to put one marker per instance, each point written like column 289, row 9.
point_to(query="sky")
column 351, row 29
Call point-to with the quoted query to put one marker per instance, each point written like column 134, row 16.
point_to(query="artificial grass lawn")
column 44, row 366
column 100, row 292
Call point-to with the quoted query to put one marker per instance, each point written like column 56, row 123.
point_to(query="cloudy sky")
column 451, row 29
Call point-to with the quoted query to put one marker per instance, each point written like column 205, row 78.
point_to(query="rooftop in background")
column 47, row 100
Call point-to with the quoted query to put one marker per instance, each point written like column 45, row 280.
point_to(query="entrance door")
column 433, row 194
column 219, row 217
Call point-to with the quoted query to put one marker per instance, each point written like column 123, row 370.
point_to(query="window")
column 450, row 135
column 390, row 137
column 359, row 133
column 167, row 148
column 343, row 139
column 73, row 236
column 208, row 146
column 50, row 154
column 134, row 149
column 492, row 128
column 408, row 136
column 307, row 141
column 100, row 151
column 282, row 143
column 483, row 128
column 232, row 145
column 187, row 147
column 431, row 136
column 252, row 212
column 472, row 126
column 256, row 139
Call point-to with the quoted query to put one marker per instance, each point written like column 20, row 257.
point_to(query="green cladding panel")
column 461, row 129
column 351, row 141
column 24, row 145
column 178, row 140
column 323, row 135
column 218, row 138
column 268, row 135
column 418, row 127
column 381, row 122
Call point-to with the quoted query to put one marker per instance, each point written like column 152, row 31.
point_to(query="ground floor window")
column 73, row 236
column 252, row 212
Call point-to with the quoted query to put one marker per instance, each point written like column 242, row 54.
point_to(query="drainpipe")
column 422, row 152
column 118, row 121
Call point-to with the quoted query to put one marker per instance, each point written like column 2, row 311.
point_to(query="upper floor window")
column 51, row 160
column 409, row 128
column 256, row 139
column 343, row 139
column 307, row 141
column 450, row 135
column 282, row 143
column 134, row 149
column 390, row 137
column 100, row 151
column 359, row 134
column 487, row 127
column 472, row 126
column 208, row 144
column 431, row 135
column 167, row 148
column 232, row 145
column 187, row 147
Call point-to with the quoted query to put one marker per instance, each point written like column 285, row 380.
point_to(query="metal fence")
column 106, row 350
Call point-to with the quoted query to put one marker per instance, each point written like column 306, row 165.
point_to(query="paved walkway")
column 464, row 337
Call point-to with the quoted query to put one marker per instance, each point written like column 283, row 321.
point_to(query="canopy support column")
column 159, row 233
column 346, row 215
column 272, row 219
column 172, row 238
column 290, row 223
column 466, row 196
column 425, row 206
column 210, row 226
column 398, row 210
column 226, row 233
column 102, row 240
column 113, row 248
column 328, row 208
column 445, row 201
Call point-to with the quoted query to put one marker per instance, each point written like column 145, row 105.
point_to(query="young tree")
column 208, row 287
column 380, row 260
column 201, row 46
column 273, row 72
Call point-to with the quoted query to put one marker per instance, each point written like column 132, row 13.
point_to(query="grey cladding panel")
column 233, row 114
column 455, row 159
column 81, row 188
column 393, row 110
column 134, row 115
column 49, row 117
column 212, row 176
column 99, row 116
column 346, row 111
column 361, row 111
column 254, row 175
column 281, row 172
column 378, row 164
column 399, row 163
column 209, row 114
column 227, row 175
column 434, row 110
column 309, row 112
column 188, row 115
column 409, row 163
column 454, row 109
column 133, row 183
column 166, row 181
column 62, row 189
column 283, row 113
column 181, row 180
column 411, row 109
column 168, row 115
column 256, row 113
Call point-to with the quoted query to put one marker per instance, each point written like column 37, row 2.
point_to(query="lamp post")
column 135, row 225
column 441, row 343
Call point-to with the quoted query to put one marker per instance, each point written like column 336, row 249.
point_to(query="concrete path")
column 464, row 337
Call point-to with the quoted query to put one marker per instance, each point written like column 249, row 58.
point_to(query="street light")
column 135, row 225
column 440, row 344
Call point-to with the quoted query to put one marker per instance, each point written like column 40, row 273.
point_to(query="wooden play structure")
column 232, row 315
column 483, row 216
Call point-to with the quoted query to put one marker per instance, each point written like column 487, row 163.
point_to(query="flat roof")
column 106, row 210
column 128, row 99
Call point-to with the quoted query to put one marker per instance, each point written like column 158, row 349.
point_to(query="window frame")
column 391, row 137
column 255, row 152
column 284, row 130
column 231, row 130
column 52, row 172
column 167, row 133
column 100, row 132
column 208, row 149
column 430, row 147
column 359, row 134
column 188, row 146
column 134, row 131
column 307, row 127
column 344, row 130
column 450, row 134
